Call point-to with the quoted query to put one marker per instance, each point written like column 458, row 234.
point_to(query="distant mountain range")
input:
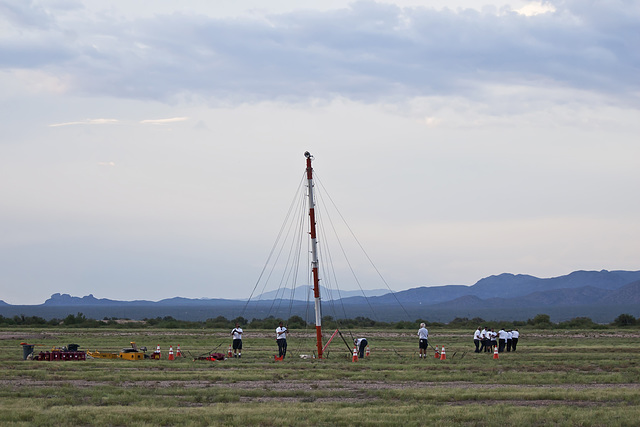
column 600, row 295
column 305, row 293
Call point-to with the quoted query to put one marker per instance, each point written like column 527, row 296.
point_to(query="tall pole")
column 314, row 254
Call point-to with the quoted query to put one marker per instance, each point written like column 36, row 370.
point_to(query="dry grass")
column 559, row 378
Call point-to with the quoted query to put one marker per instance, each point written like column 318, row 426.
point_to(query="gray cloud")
column 367, row 52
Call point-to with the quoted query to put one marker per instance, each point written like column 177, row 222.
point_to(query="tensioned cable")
column 329, row 273
column 274, row 244
column 291, row 264
column 367, row 256
column 279, row 296
column 298, row 254
column 328, row 269
column 347, row 258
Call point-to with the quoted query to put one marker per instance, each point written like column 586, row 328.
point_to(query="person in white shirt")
column 509, row 340
column 476, row 339
column 423, row 343
column 281, row 339
column 514, row 339
column 502, row 340
column 484, row 339
column 361, row 345
column 492, row 340
column 237, row 341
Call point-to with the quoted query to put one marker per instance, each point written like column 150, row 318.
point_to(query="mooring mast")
column 314, row 254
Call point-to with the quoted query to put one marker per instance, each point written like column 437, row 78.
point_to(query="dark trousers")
column 509, row 344
column 514, row 343
column 363, row 346
column 282, row 347
column 501, row 344
column 477, row 344
column 483, row 345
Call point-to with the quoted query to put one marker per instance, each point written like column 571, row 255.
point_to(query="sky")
column 151, row 149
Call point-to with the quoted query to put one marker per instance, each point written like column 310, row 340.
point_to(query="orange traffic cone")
column 437, row 355
column 171, row 352
column 230, row 352
column 178, row 352
column 355, row 354
column 495, row 353
column 368, row 352
column 443, row 356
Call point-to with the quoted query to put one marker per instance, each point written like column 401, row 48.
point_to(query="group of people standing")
column 281, row 339
column 486, row 339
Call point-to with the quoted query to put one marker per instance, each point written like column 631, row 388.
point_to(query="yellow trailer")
column 131, row 353
column 97, row 355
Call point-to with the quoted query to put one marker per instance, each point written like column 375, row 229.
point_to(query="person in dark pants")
column 423, row 337
column 492, row 340
column 502, row 340
column 476, row 339
column 237, row 341
column 483, row 339
column 361, row 345
column 509, row 340
column 514, row 339
column 281, row 339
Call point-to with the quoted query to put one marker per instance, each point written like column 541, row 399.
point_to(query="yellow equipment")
column 131, row 353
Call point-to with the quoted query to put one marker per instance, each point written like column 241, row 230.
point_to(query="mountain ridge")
column 604, row 294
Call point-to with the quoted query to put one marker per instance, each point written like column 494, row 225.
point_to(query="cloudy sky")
column 151, row 150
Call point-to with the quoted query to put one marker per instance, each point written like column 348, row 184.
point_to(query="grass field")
column 589, row 378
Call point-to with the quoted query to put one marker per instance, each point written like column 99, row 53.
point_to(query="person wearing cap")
column 361, row 345
column 423, row 343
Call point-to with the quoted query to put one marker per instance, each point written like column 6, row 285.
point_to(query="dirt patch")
column 23, row 337
column 289, row 385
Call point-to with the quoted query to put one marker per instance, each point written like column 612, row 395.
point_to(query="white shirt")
column 237, row 333
column 283, row 335
column 423, row 333
column 509, row 335
column 483, row 334
column 358, row 342
column 502, row 334
column 515, row 334
column 476, row 335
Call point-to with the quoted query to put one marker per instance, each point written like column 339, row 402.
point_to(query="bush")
column 406, row 325
column 579, row 323
column 296, row 322
column 22, row 320
column 625, row 320
column 541, row 321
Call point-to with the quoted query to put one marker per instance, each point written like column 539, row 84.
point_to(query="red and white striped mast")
column 314, row 254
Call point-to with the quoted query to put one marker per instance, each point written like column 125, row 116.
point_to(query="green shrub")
column 625, row 320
